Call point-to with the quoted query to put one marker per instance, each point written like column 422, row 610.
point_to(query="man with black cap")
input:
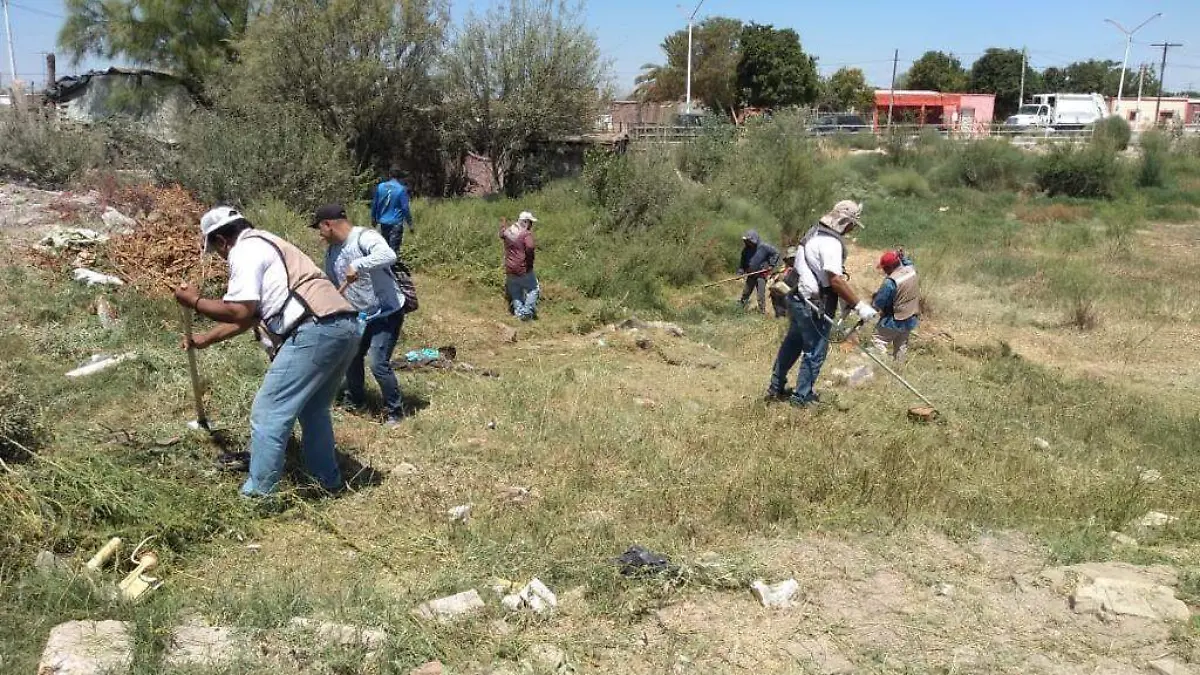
column 310, row 332
column 758, row 261
column 362, row 260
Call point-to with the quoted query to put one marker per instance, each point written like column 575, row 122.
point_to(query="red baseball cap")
column 889, row 259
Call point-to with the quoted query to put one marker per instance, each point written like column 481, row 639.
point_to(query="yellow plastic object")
column 138, row 583
column 105, row 554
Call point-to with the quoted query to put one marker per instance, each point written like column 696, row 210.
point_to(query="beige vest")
column 307, row 285
column 908, row 296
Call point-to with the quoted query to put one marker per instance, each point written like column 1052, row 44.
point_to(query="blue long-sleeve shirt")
column 389, row 207
column 885, row 302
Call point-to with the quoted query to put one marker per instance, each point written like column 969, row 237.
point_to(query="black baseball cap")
column 328, row 212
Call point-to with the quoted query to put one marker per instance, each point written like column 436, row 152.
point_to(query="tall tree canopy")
column 715, row 57
column 998, row 72
column 1101, row 77
column 192, row 39
column 528, row 70
column 773, row 69
column 936, row 71
column 847, row 90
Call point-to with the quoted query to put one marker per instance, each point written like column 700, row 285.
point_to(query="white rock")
column 511, row 602
column 205, row 646
column 93, row 278
column 535, row 596
column 775, row 596
column 87, row 648
column 1155, row 519
column 115, row 220
column 547, row 656
column 341, row 634
column 460, row 514
column 1041, row 443
column 944, row 590
column 1119, row 539
column 1169, row 666
column 405, row 469
column 1125, row 597
column 450, row 608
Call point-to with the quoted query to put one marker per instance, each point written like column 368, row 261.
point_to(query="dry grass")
column 1044, row 214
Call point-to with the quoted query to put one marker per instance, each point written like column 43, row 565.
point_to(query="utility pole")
column 1162, row 75
column 892, row 91
column 1125, row 62
column 12, row 58
column 691, row 18
column 1024, row 61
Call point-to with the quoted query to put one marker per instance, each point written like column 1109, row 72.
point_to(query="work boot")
column 776, row 396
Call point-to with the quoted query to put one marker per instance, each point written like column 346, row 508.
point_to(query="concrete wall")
column 157, row 103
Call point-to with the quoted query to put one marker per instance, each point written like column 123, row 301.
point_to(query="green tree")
column 998, row 72
column 847, row 89
column 715, row 57
column 936, row 71
column 527, row 70
column 1101, row 77
column 190, row 39
column 362, row 68
column 773, row 70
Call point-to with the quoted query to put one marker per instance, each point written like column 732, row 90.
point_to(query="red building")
column 961, row 113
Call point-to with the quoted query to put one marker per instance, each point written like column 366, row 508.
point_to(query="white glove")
column 865, row 311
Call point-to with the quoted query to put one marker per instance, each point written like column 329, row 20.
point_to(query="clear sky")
column 863, row 33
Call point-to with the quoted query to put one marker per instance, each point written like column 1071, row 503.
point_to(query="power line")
column 1162, row 73
column 34, row 10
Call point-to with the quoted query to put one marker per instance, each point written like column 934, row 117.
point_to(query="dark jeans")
column 808, row 334
column 759, row 283
column 522, row 292
column 394, row 235
column 379, row 341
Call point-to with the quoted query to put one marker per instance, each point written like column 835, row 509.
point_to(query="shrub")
column 22, row 427
column 36, row 148
column 1092, row 171
column 989, row 164
column 905, row 183
column 245, row 154
column 1152, row 170
column 702, row 157
column 632, row 189
column 1113, row 133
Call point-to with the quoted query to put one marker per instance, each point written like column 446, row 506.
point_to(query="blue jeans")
column 300, row 385
column 808, row 334
column 379, row 342
column 394, row 234
column 523, row 291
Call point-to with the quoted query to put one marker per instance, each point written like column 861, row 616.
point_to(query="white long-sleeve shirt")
column 375, row 292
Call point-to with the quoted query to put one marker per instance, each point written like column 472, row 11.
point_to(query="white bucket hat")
column 526, row 215
column 844, row 214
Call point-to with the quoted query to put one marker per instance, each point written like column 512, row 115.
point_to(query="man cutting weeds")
column 309, row 330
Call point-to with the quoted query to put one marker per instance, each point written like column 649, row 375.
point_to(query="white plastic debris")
column 1041, row 443
column 115, row 220
column 94, row 278
column 1150, row 476
column 460, row 514
column 68, row 237
column 775, row 596
column 100, row 362
column 447, row 609
column 535, row 596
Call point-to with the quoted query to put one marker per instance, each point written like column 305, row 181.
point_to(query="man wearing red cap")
column 899, row 303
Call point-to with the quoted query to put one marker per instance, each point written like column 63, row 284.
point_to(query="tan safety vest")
column 908, row 296
column 307, row 285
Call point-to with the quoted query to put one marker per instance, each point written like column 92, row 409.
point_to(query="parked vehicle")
column 838, row 124
column 1059, row 111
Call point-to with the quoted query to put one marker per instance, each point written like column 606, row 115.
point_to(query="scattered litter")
column 61, row 238
column 855, row 377
column 491, row 425
column 775, row 596
column 105, row 554
column 535, row 596
column 441, row 358
column 429, row 354
column 445, row 610
column 405, row 469
column 638, row 560
column 943, row 209
column 635, row 323
column 115, row 220
column 601, row 343
column 1149, row 476
column 944, row 590
column 100, row 362
column 460, row 514
column 138, row 583
column 254, row 548
column 1041, row 443
column 105, row 312
column 94, row 278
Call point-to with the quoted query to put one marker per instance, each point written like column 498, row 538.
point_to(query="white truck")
column 1060, row 111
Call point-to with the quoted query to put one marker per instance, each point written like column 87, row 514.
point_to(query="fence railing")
column 673, row 134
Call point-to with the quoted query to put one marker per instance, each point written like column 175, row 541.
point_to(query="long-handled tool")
column 925, row 414
column 740, row 276
column 201, row 421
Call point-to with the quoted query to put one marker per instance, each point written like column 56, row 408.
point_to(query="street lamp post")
column 1125, row 62
column 690, row 19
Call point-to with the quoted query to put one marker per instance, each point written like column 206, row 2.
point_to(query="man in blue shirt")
column 390, row 210
column 899, row 303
